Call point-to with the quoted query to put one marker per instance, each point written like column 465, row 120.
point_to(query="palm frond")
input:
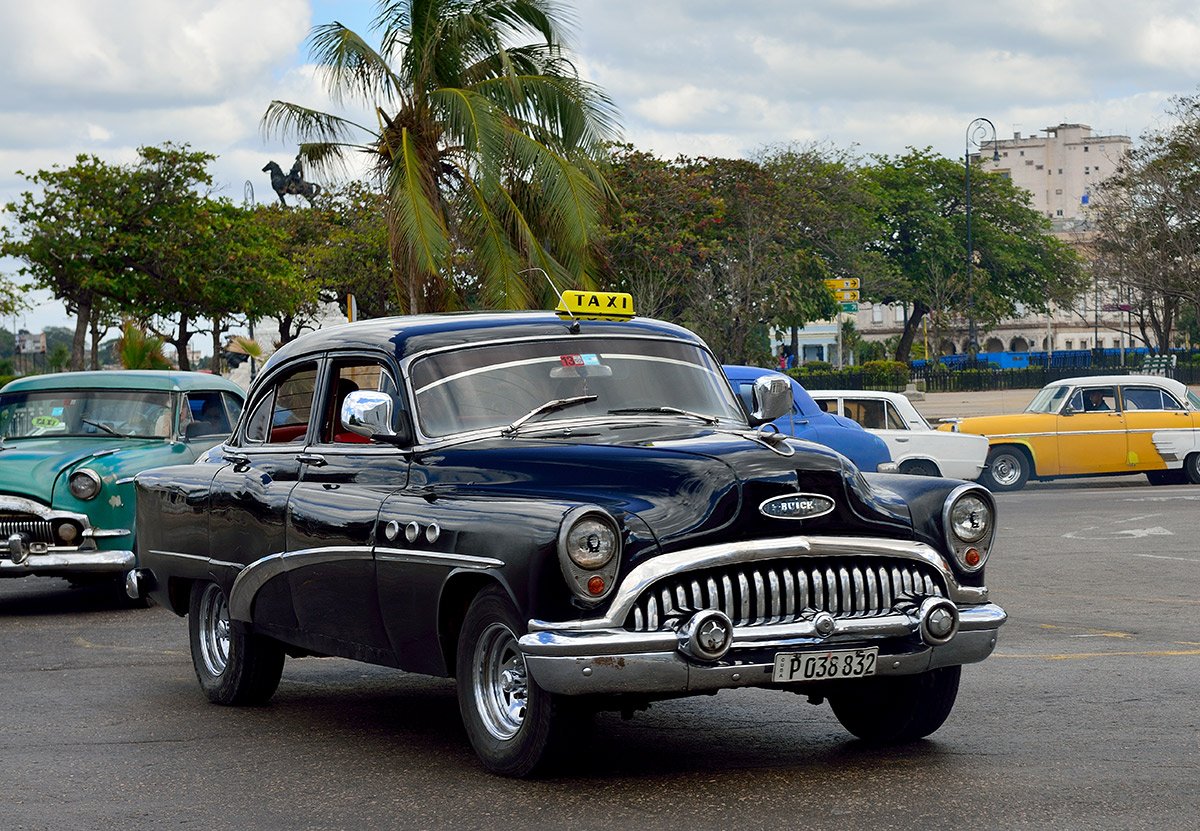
column 425, row 232
column 352, row 68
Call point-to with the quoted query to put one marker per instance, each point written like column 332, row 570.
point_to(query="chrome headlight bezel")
column 577, row 574
column 960, row 547
column 84, row 484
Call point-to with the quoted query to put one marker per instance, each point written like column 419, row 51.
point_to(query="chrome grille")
column 780, row 591
column 39, row 530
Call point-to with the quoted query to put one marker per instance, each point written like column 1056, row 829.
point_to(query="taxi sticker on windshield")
column 579, row 360
column 45, row 421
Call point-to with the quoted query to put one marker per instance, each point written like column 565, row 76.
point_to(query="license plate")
column 822, row 666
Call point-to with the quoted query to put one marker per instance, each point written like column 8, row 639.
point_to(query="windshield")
column 495, row 385
column 1048, row 400
column 125, row 413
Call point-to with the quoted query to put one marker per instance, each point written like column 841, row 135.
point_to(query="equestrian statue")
column 291, row 182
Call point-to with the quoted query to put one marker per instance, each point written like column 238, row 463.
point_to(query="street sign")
column 849, row 307
column 847, row 284
column 846, row 296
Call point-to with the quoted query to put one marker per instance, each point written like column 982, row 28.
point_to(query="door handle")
column 314, row 459
column 901, row 439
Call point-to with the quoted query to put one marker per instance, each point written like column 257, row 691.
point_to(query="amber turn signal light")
column 595, row 585
column 972, row 557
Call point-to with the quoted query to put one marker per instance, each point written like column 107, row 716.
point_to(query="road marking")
column 1138, row 533
column 1161, row 557
column 1076, row 656
column 1089, row 633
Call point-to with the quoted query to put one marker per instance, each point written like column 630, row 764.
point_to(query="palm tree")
column 489, row 149
column 139, row 350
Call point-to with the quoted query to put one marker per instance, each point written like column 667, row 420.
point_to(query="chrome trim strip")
column 199, row 557
column 103, row 533
column 748, row 551
column 435, row 558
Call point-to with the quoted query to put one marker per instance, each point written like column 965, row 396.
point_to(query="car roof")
column 1178, row 387
column 410, row 335
column 856, row 393
column 138, row 379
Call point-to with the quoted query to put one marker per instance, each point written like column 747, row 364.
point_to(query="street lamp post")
column 977, row 132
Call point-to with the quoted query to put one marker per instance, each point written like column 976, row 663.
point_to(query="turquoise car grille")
column 38, row 530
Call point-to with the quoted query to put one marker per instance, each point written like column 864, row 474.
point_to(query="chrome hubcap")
column 1006, row 470
column 500, row 683
column 214, row 630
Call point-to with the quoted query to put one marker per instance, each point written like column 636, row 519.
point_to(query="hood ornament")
column 797, row 506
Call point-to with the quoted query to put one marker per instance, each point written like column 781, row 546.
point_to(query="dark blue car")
column 808, row 421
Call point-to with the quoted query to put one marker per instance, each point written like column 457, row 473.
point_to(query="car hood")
column 683, row 484
column 31, row 467
column 1000, row 425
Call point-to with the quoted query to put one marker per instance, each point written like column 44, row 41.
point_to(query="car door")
column 332, row 513
column 1091, row 436
column 880, row 417
column 1150, row 410
column 248, row 514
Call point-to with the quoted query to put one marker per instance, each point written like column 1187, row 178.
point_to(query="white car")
column 915, row 446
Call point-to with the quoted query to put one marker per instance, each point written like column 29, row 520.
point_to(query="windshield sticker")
column 56, row 412
column 45, row 421
column 579, row 360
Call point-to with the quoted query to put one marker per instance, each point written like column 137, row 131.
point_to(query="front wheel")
column 514, row 726
column 897, row 709
column 1008, row 469
column 234, row 666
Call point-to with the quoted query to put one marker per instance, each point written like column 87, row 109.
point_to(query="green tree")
column 1147, row 221
column 488, row 146
column 661, row 228
column 920, row 200
column 138, row 350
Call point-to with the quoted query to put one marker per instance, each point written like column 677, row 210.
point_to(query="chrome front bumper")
column 67, row 562
column 613, row 660
column 21, row 554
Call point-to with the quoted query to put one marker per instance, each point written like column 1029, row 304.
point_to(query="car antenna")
column 574, row 328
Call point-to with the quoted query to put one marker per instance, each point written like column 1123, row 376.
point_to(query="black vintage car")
column 565, row 515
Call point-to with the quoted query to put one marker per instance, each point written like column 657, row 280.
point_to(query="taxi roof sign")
column 595, row 305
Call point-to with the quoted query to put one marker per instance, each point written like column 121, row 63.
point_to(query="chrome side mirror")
column 772, row 399
column 368, row 413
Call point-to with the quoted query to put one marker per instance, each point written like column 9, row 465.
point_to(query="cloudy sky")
column 688, row 76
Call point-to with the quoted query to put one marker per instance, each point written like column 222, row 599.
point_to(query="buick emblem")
column 796, row 506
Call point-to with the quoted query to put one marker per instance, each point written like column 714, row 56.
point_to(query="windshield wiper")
column 707, row 419
column 103, row 427
column 548, row 407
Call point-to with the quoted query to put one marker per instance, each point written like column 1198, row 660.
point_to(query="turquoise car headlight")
column 84, row 484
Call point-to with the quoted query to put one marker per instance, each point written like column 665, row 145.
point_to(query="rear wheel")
column 897, row 709
column 234, row 666
column 514, row 725
column 920, row 467
column 1191, row 468
column 1008, row 469
column 1166, row 477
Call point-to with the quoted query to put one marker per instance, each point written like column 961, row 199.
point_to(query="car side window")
column 233, row 406
column 1148, row 398
column 348, row 377
column 868, row 412
column 1094, row 400
column 204, row 414
column 894, row 421
column 827, row 405
column 281, row 415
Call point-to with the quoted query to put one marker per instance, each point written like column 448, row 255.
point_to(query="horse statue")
column 291, row 182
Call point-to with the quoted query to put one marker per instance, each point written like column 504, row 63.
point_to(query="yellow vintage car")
column 1110, row 424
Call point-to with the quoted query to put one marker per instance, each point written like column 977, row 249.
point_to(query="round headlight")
column 591, row 542
column 84, row 484
column 970, row 519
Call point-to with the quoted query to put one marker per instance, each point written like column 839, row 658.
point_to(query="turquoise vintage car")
column 70, row 444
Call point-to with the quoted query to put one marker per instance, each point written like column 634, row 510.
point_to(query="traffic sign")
column 846, row 296
column 849, row 307
column 847, row 284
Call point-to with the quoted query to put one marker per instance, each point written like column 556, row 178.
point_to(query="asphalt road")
column 1085, row 718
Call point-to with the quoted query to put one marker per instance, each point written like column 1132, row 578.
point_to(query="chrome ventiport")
column 706, row 636
column 939, row 620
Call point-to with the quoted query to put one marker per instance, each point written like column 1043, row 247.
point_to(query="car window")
column 281, row 415
column 871, row 413
column 348, row 377
column 827, row 405
column 233, row 406
column 894, row 421
column 86, row 412
column 493, row 385
column 1094, row 400
column 1148, row 398
column 1048, row 400
column 204, row 414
